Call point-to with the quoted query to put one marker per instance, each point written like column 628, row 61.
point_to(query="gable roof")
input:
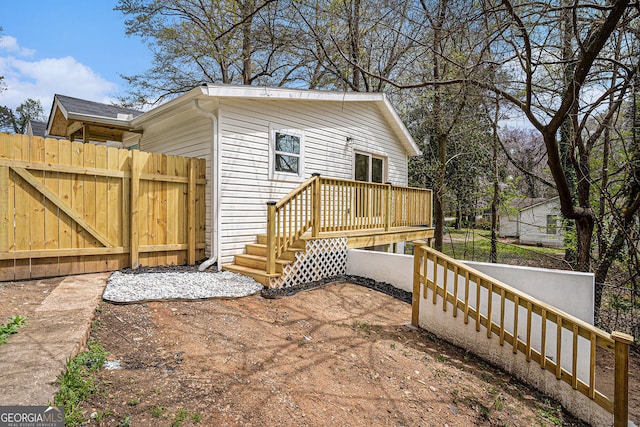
column 69, row 114
column 525, row 203
column 36, row 128
column 209, row 90
column 91, row 108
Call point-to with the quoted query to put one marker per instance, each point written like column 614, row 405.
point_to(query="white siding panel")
column 533, row 225
column 244, row 129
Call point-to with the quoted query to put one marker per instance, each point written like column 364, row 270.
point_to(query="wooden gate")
column 70, row 208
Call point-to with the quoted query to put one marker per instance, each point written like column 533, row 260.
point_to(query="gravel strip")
column 191, row 285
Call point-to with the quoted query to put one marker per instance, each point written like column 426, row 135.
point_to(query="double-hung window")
column 287, row 155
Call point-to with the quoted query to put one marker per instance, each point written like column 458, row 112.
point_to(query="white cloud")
column 41, row 79
column 10, row 44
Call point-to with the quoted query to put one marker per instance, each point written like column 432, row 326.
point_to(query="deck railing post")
column 415, row 296
column 388, row 218
column 621, row 383
column 271, row 237
column 316, row 208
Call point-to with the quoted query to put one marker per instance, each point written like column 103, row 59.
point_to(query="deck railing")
column 490, row 304
column 330, row 204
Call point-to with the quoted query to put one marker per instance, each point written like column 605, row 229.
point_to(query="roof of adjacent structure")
column 68, row 114
column 38, row 128
column 92, row 108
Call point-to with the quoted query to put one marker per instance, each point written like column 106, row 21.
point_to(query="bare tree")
column 193, row 41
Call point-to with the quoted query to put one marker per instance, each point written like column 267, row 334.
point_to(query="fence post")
column 387, row 207
column 316, row 200
column 621, row 383
column 271, row 237
column 4, row 208
column 134, row 240
column 191, row 214
column 415, row 296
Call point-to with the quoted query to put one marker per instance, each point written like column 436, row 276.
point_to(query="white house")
column 260, row 144
column 534, row 222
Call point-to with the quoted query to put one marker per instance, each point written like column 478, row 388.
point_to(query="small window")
column 552, row 224
column 287, row 153
column 287, row 161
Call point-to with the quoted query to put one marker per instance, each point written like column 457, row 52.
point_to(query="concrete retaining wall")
column 570, row 292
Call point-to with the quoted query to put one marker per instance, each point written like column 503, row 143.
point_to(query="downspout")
column 215, row 187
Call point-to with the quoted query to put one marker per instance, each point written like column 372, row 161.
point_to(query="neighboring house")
column 534, row 221
column 36, row 128
column 260, row 144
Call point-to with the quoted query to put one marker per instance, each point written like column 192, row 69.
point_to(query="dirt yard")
column 337, row 355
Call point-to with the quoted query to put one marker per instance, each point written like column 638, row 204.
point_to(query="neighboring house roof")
column 540, row 201
column 36, row 128
column 69, row 116
column 523, row 203
column 208, row 91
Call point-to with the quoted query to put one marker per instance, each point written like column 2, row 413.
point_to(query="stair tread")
column 262, row 258
column 236, row 267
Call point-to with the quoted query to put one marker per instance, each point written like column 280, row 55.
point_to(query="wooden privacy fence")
column 69, row 208
column 490, row 304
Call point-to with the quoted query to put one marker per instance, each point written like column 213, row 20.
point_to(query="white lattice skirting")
column 321, row 258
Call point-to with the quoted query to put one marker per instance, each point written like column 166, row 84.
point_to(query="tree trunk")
column 496, row 187
column 604, row 182
column 440, row 136
column 247, row 45
column 354, row 45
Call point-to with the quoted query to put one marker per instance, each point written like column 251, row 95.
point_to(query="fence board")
column 161, row 220
column 51, row 211
column 66, row 225
column 77, row 156
column 66, row 208
column 114, row 207
column 172, row 209
column 6, row 210
column 37, row 211
column 101, row 205
column 22, row 205
column 89, row 202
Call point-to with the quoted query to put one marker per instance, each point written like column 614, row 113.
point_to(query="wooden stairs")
column 253, row 262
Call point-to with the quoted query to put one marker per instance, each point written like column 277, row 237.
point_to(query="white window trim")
column 285, row 176
column 385, row 164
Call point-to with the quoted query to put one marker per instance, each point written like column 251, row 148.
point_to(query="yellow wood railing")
column 466, row 290
column 329, row 204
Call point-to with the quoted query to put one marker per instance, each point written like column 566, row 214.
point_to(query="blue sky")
column 73, row 47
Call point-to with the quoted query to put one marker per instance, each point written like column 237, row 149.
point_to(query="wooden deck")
column 367, row 214
column 376, row 237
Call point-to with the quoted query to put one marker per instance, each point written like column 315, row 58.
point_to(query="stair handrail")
column 301, row 205
column 616, row 342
